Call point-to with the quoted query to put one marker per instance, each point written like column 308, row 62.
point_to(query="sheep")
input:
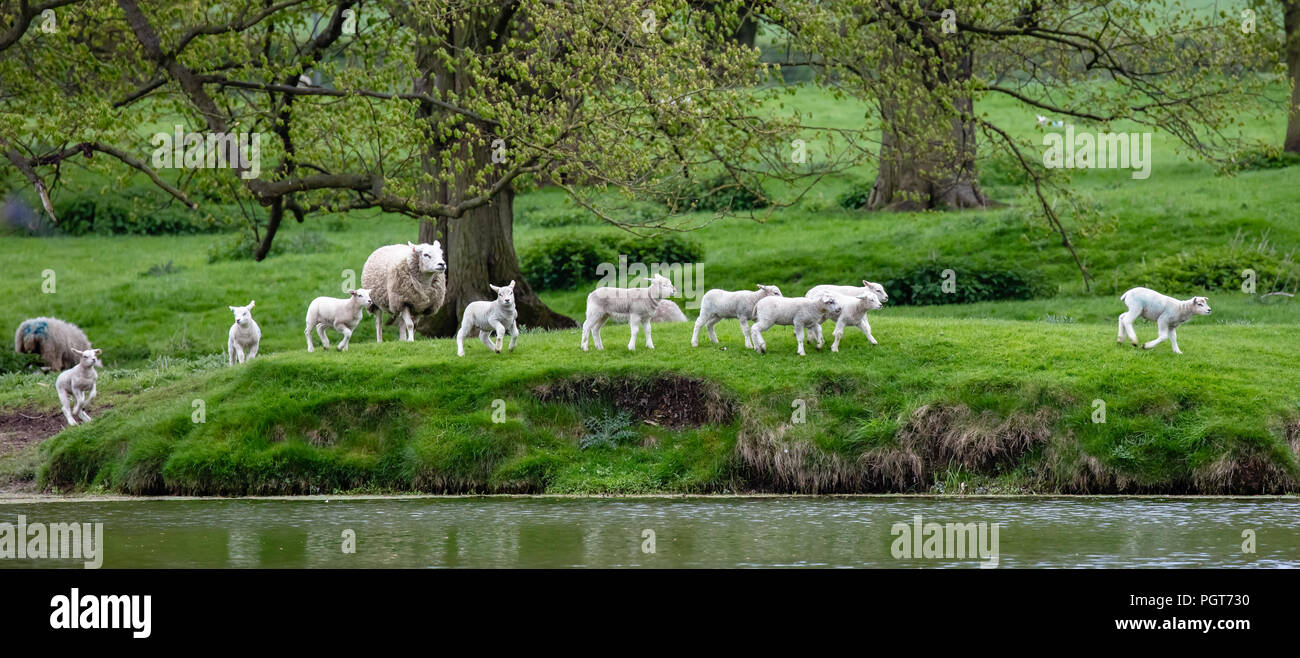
column 404, row 280
column 58, row 342
column 800, row 312
column 1164, row 310
column 639, row 304
column 498, row 315
column 853, row 313
column 718, row 304
column 79, row 383
column 245, row 335
column 851, row 291
column 341, row 314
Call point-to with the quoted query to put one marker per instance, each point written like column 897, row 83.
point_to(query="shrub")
column 607, row 430
column 923, row 285
column 720, row 193
column 111, row 216
column 565, row 261
column 856, row 197
column 1263, row 158
column 14, row 362
column 1217, row 268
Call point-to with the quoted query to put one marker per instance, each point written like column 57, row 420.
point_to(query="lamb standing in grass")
column 1164, row 310
column 59, row 343
column 495, row 316
column 802, row 313
column 245, row 335
column 853, row 313
column 342, row 314
column 851, row 291
column 404, row 280
column 667, row 311
column 78, row 383
column 718, row 305
column 638, row 304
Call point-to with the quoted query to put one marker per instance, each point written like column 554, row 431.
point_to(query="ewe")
column 78, row 382
column 245, row 335
column 851, row 291
column 59, row 343
column 342, row 314
column 802, row 313
column 1164, row 310
column 718, row 305
column 404, row 280
column 638, row 304
column 494, row 316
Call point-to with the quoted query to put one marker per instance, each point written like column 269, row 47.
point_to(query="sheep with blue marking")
column 59, row 343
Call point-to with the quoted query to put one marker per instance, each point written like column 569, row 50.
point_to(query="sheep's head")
column 1201, row 305
column 362, row 295
column 871, row 299
column 505, row 294
column 771, row 291
column 876, row 288
column 429, row 257
column 243, row 314
column 663, row 286
column 828, row 304
column 90, row 358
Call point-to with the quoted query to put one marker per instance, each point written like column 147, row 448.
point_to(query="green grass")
column 401, row 417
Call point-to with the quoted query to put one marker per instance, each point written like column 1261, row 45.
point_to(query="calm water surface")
column 689, row 532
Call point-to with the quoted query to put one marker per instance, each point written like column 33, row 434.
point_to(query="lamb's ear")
column 760, row 286
column 232, row 307
column 512, row 284
column 866, row 282
column 352, row 292
column 494, row 288
column 98, row 352
column 251, row 304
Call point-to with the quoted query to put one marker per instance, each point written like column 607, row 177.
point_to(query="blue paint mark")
column 36, row 328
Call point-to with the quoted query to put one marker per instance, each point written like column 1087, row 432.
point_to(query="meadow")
column 998, row 397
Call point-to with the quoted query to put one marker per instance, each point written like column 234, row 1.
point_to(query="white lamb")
column 853, row 313
column 343, row 315
column 494, row 316
column 718, row 305
column 851, row 291
column 639, row 304
column 1164, row 310
column 404, row 280
column 78, row 382
column 245, row 335
column 802, row 313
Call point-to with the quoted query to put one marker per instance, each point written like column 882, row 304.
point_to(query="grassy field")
column 997, row 395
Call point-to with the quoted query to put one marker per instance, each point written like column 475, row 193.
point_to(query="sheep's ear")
column 232, row 307
column 760, row 286
column 352, row 292
column 494, row 288
column 98, row 352
column 512, row 284
column 251, row 304
column 866, row 282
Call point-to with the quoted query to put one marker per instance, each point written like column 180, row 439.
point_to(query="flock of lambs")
column 406, row 281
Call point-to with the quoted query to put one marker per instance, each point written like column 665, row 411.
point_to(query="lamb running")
column 59, row 343
column 851, row 291
column 404, row 280
column 800, row 312
column 245, row 335
column 853, row 313
column 498, row 316
column 639, row 304
column 1164, row 310
column 79, row 383
column 718, row 305
column 341, row 314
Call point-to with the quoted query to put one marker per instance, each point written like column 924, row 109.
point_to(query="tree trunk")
column 927, row 153
column 1291, row 19
column 479, row 247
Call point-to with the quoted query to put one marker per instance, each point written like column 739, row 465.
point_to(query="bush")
column 1218, row 268
column 14, row 362
column 565, row 261
column 923, row 285
column 1263, row 158
column 110, row 216
column 1003, row 169
column 856, row 197
column 720, row 193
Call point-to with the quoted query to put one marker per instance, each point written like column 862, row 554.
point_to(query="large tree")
column 435, row 109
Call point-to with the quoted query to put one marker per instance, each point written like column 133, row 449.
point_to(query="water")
column 688, row 532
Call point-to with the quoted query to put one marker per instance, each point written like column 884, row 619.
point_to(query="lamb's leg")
column 595, row 331
column 514, row 334
column 649, row 343
column 817, row 333
column 307, row 332
column 500, row 331
column 632, row 322
column 85, row 401
column 586, row 331
column 1163, row 326
column 744, row 331
column 230, row 351
column 866, row 329
column 239, row 352
column 837, row 334
column 379, row 326
column 695, row 335
column 798, row 337
column 63, row 404
column 1128, row 328
column 1173, row 339
column 756, row 335
column 81, row 400
column 483, row 337
column 347, row 336
column 324, row 337
column 252, row 351
column 1119, row 333
column 409, row 324
column 460, row 339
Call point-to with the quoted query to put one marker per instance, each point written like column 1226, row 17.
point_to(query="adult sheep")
column 59, row 343
column 404, row 281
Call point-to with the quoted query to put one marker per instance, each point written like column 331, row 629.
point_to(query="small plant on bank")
column 607, row 430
